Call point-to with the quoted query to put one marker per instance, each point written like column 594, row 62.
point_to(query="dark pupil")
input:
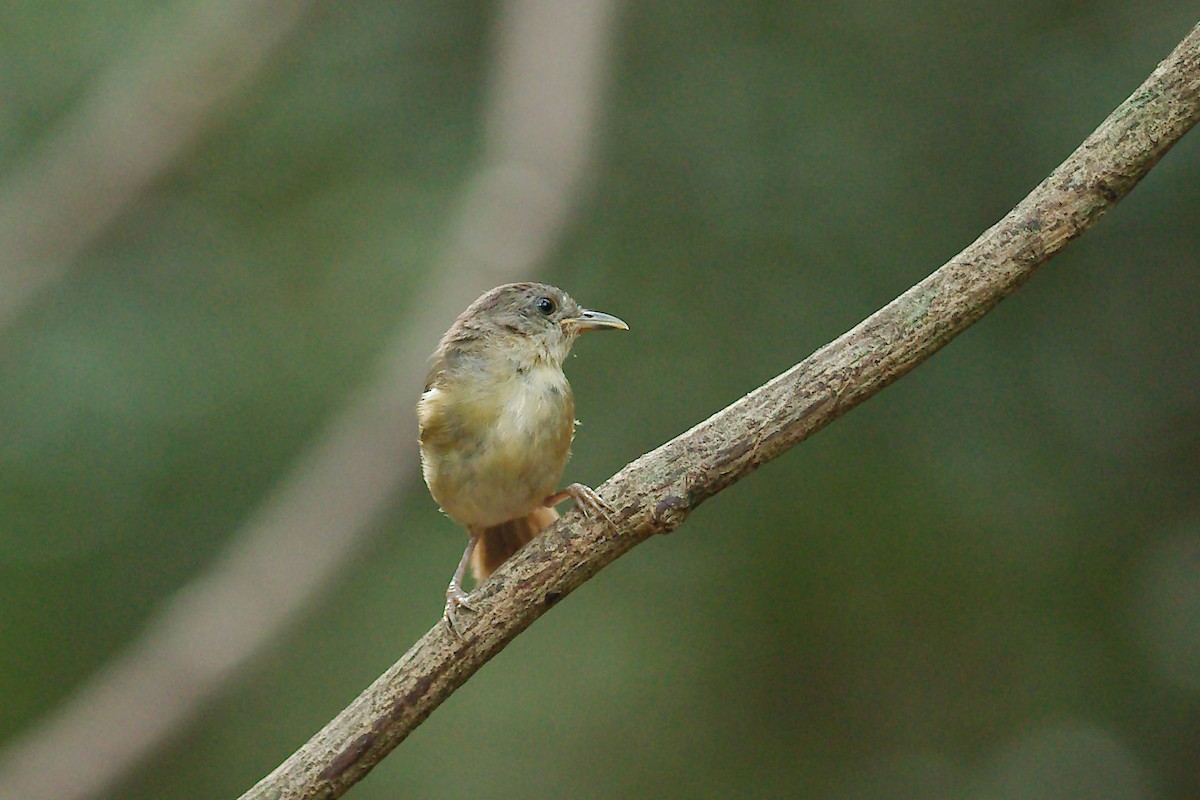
column 545, row 305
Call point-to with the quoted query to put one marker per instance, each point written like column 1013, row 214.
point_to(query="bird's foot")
column 455, row 598
column 586, row 499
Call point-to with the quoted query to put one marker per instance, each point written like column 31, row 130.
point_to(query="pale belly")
column 499, row 466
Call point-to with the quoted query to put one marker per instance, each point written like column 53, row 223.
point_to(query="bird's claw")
column 586, row 500
column 455, row 597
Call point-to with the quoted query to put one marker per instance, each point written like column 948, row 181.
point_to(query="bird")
column 496, row 422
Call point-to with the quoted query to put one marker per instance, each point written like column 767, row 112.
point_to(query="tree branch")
column 655, row 493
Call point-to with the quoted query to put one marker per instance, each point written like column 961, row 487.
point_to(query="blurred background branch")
column 148, row 107
column 547, row 82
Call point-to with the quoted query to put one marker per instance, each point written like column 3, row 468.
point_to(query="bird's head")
column 536, row 316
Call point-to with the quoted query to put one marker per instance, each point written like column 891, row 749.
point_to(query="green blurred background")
column 984, row 583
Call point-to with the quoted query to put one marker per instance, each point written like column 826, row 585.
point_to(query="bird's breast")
column 493, row 448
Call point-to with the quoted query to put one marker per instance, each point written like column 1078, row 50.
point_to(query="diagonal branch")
column 655, row 493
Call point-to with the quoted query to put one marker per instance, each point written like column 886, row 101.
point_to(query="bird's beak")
column 594, row 321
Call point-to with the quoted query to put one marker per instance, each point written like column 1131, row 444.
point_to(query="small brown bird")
column 497, row 419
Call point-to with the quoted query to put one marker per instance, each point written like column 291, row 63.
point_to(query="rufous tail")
column 498, row 542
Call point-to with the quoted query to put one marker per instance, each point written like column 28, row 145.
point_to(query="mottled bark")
column 655, row 493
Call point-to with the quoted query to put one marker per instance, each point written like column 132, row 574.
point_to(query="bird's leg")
column 585, row 498
column 455, row 596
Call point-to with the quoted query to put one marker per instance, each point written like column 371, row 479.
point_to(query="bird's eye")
column 546, row 306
